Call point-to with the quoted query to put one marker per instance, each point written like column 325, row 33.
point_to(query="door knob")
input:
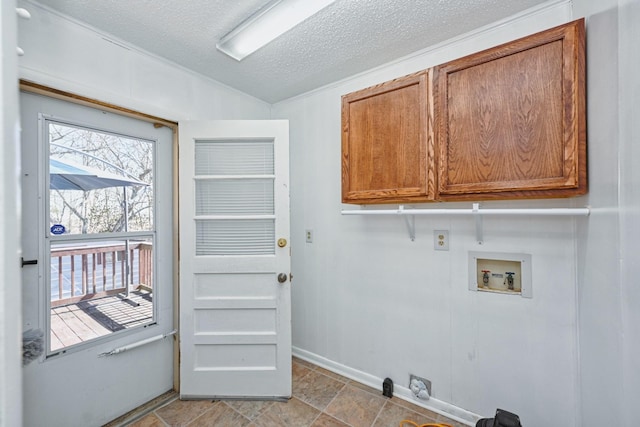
column 282, row 243
column 282, row 277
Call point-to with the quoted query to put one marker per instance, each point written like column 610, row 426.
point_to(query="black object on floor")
column 502, row 419
column 387, row 387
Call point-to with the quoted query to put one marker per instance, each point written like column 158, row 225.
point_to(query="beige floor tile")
column 392, row 414
column 220, row 415
column 377, row 392
column 325, row 420
column 316, row 389
column 346, row 403
column 298, row 370
column 304, row 363
column 149, row 421
column 180, row 412
column 251, row 409
column 415, row 408
column 293, row 413
column 332, row 375
column 355, row 406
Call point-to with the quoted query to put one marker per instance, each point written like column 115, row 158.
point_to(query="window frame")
column 47, row 239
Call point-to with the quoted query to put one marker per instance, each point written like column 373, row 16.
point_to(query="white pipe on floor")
column 137, row 344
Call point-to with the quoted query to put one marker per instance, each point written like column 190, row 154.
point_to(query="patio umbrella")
column 65, row 175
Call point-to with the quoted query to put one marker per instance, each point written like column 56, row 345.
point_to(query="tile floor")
column 320, row 399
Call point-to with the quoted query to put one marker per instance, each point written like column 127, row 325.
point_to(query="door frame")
column 35, row 88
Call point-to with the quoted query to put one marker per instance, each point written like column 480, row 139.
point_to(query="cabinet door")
column 510, row 121
column 386, row 148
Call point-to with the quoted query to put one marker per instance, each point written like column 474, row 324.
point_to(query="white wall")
column 71, row 56
column 10, row 285
column 599, row 238
column 369, row 300
column 609, row 298
column 629, row 90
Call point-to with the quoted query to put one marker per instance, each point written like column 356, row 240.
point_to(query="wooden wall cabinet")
column 510, row 121
column 387, row 151
column 505, row 123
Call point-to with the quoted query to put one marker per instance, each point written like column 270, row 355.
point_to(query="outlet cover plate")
column 441, row 240
column 425, row 381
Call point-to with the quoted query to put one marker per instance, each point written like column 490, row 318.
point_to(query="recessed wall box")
column 505, row 273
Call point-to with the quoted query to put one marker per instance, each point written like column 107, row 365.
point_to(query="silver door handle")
column 282, row 277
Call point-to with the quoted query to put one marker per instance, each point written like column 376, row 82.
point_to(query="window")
column 100, row 208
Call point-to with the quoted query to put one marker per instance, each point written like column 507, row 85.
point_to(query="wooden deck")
column 74, row 323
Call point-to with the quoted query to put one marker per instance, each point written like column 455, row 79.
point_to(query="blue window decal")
column 58, row 229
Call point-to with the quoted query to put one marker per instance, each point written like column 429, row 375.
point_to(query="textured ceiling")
column 346, row 38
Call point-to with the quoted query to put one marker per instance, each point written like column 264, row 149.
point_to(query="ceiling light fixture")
column 270, row 22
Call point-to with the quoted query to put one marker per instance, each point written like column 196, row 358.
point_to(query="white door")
column 98, row 276
column 235, row 316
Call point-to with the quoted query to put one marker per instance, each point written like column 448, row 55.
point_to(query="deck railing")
column 86, row 272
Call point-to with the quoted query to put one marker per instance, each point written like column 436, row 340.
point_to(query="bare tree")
column 102, row 210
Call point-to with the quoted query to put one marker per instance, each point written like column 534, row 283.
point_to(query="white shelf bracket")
column 476, row 213
column 411, row 222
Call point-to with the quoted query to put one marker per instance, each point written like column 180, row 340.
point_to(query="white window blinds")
column 235, row 157
column 234, row 197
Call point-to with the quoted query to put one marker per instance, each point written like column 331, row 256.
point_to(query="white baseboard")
column 443, row 408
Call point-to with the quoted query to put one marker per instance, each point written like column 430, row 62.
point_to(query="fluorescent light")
column 270, row 22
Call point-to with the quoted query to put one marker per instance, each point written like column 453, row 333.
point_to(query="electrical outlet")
column 309, row 235
column 441, row 240
column 420, row 387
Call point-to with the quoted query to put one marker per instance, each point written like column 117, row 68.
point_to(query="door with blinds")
column 235, row 315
